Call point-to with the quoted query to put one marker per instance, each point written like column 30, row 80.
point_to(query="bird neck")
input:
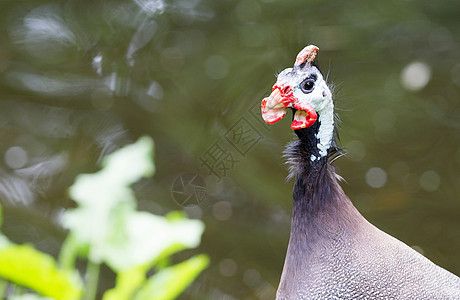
column 320, row 205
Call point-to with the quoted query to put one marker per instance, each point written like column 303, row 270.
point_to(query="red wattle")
column 305, row 116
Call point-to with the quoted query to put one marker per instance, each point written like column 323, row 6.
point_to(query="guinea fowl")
column 333, row 251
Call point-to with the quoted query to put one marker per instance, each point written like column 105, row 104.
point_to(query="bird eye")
column 307, row 85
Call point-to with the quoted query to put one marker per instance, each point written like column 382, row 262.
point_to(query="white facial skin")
column 318, row 96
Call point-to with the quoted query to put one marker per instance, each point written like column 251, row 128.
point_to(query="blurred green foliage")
column 25, row 266
column 106, row 228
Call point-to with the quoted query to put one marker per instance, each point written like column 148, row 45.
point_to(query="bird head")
column 303, row 89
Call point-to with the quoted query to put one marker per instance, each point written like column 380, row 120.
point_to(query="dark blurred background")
column 79, row 79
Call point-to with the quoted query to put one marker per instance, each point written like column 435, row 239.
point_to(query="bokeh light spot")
column 16, row 157
column 430, row 181
column 216, row 67
column 228, row 267
column 376, row 177
column 222, row 211
column 415, row 76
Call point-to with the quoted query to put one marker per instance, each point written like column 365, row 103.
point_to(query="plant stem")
column 68, row 253
column 3, row 286
column 18, row 290
column 92, row 273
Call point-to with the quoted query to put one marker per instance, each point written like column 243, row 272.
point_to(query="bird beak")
column 274, row 107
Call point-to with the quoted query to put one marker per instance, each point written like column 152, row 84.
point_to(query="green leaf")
column 130, row 163
column 106, row 222
column 28, row 297
column 1, row 216
column 175, row 215
column 147, row 236
column 105, row 198
column 4, row 241
column 170, row 282
column 127, row 283
column 25, row 266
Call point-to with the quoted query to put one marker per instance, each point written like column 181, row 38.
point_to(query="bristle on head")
column 307, row 55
